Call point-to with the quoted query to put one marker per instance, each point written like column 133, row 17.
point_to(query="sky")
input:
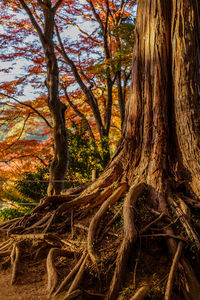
column 72, row 34
column 19, row 64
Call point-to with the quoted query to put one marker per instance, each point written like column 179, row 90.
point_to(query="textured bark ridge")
column 150, row 190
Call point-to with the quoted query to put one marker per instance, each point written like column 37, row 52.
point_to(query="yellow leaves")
column 65, row 79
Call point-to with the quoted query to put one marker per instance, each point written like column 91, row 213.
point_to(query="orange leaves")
column 23, row 156
column 100, row 47
column 23, row 147
column 11, row 86
column 36, row 70
column 8, row 87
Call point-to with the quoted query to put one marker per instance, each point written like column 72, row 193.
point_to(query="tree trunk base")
column 120, row 242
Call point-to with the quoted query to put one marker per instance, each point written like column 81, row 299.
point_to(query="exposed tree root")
column 73, row 295
column 169, row 286
column 99, row 215
column 70, row 276
column 51, row 270
column 78, row 277
column 107, row 227
column 104, row 194
column 15, row 260
column 75, row 190
column 191, row 202
column 130, row 235
column 191, row 286
column 182, row 212
column 152, row 223
column 141, row 292
column 6, row 245
column 95, row 216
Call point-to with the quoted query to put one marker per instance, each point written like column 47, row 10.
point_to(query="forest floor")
column 149, row 262
column 32, row 281
column 32, row 285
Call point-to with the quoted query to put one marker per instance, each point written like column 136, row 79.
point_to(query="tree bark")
column 60, row 161
column 158, row 152
column 59, row 165
column 161, row 132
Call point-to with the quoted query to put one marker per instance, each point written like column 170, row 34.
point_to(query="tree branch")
column 83, row 32
column 56, row 6
column 84, row 119
column 90, row 99
column 24, row 156
column 96, row 15
column 103, row 28
column 31, row 107
column 33, row 21
column 23, row 127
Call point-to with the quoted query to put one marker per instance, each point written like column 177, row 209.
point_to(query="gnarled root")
column 141, row 293
column 130, row 235
column 96, row 211
column 73, row 291
column 51, row 269
column 183, row 213
column 70, row 276
column 78, row 276
column 190, row 283
column 173, row 269
column 99, row 215
column 15, row 260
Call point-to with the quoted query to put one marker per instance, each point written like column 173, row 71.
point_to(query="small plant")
column 34, row 185
column 7, row 214
column 126, row 291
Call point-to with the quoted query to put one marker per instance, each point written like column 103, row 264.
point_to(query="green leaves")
column 83, row 158
column 34, row 184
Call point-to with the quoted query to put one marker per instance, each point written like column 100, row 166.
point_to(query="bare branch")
column 28, row 105
column 24, row 156
column 22, row 130
column 96, row 14
column 90, row 98
column 84, row 32
column 56, row 6
column 33, row 21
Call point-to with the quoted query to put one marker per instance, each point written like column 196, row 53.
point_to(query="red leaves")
column 20, row 43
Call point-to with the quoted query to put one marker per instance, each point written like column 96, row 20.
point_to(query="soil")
column 25, row 289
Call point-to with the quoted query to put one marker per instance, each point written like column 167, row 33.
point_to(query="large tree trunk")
column 158, row 153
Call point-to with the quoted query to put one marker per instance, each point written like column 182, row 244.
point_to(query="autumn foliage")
column 132, row 233
column 93, row 44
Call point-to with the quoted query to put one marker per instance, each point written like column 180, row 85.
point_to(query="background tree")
column 43, row 24
column 20, row 35
column 19, row 197
column 104, row 69
column 159, row 154
column 60, row 162
column 25, row 139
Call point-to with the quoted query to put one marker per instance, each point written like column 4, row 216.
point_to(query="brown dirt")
column 34, row 290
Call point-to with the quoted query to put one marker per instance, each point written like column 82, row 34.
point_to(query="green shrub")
column 10, row 213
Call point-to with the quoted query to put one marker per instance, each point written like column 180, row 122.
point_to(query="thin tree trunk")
column 59, row 165
column 60, row 161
